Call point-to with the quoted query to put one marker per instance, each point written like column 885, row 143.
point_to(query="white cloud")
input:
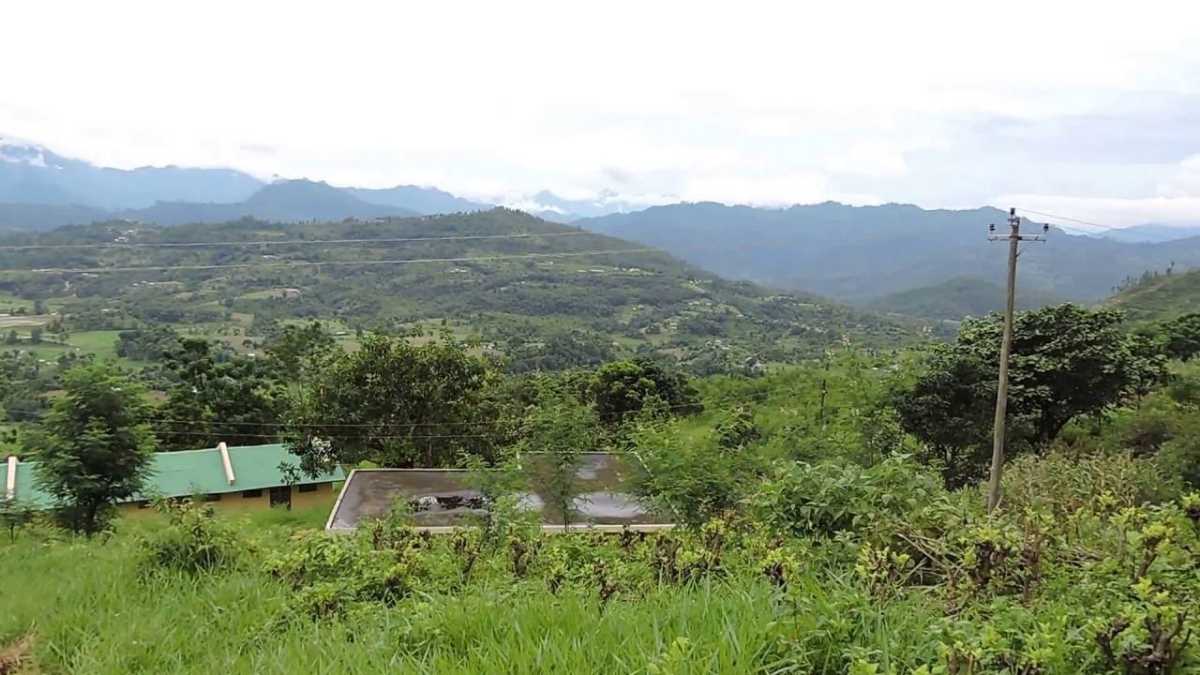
column 755, row 101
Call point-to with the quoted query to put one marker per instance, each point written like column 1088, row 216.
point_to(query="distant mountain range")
column 32, row 174
column 1151, row 233
column 915, row 259
column 40, row 189
column 862, row 253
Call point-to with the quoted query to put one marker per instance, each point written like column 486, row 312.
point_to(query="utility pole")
column 1014, row 239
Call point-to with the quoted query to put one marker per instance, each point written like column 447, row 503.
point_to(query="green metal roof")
column 189, row 472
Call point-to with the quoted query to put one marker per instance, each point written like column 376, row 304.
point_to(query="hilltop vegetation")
column 550, row 300
column 1159, row 296
column 862, row 253
column 957, row 298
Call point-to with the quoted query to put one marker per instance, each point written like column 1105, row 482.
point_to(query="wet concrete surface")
column 439, row 497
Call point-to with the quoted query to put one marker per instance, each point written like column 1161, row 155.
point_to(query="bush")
column 193, row 541
column 1064, row 483
column 695, row 480
column 827, row 498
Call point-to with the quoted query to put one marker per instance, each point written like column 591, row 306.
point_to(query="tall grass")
column 92, row 613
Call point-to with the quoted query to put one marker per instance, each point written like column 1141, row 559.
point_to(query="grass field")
column 726, row 598
column 89, row 610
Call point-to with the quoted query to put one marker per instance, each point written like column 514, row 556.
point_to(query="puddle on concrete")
column 443, row 497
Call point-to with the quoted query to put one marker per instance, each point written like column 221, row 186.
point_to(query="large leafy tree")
column 394, row 403
column 1180, row 337
column 94, row 447
column 293, row 349
column 218, row 396
column 622, row 389
column 1066, row 362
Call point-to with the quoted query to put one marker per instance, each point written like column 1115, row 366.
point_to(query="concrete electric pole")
column 999, row 439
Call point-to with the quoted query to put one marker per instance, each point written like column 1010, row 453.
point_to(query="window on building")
column 251, row 494
column 216, row 497
column 310, row 487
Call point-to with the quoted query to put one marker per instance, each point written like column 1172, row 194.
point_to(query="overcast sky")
column 1066, row 107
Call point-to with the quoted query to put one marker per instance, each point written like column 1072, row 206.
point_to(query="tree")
column 94, row 447
column 393, row 403
column 554, row 435
column 14, row 515
column 1180, row 337
column 216, row 397
column 735, row 430
column 293, row 349
column 623, row 388
column 1066, row 362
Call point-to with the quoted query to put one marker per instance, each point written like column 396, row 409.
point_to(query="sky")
column 1085, row 109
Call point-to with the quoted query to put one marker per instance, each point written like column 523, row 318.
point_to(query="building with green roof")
column 228, row 477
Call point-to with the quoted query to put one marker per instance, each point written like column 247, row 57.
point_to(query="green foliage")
column 696, row 480
column 540, row 314
column 954, row 299
column 393, row 403
column 1157, row 297
column 217, row 396
column 1067, row 362
column 1067, row 483
column 15, row 514
column 1163, row 427
column 147, row 344
column 193, row 540
column 296, row 350
column 736, row 429
column 825, row 499
column 943, row 589
column 1180, row 336
column 94, row 446
column 555, row 433
column 622, row 389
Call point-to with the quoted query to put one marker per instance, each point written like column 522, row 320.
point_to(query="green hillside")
column 956, row 298
column 1158, row 297
column 555, row 298
column 858, row 253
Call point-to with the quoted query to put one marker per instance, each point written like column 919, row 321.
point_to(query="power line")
column 308, row 263
column 1069, row 219
column 287, row 242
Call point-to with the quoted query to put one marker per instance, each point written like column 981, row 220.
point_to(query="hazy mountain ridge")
column 423, row 200
column 858, row 253
column 1152, row 233
column 32, row 174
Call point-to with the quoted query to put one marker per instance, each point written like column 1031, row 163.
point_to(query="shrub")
column 1064, row 483
column 193, row 540
column 696, row 480
column 827, row 498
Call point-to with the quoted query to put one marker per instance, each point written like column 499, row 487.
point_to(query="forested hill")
column 957, row 298
column 863, row 253
column 554, row 297
column 1159, row 296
